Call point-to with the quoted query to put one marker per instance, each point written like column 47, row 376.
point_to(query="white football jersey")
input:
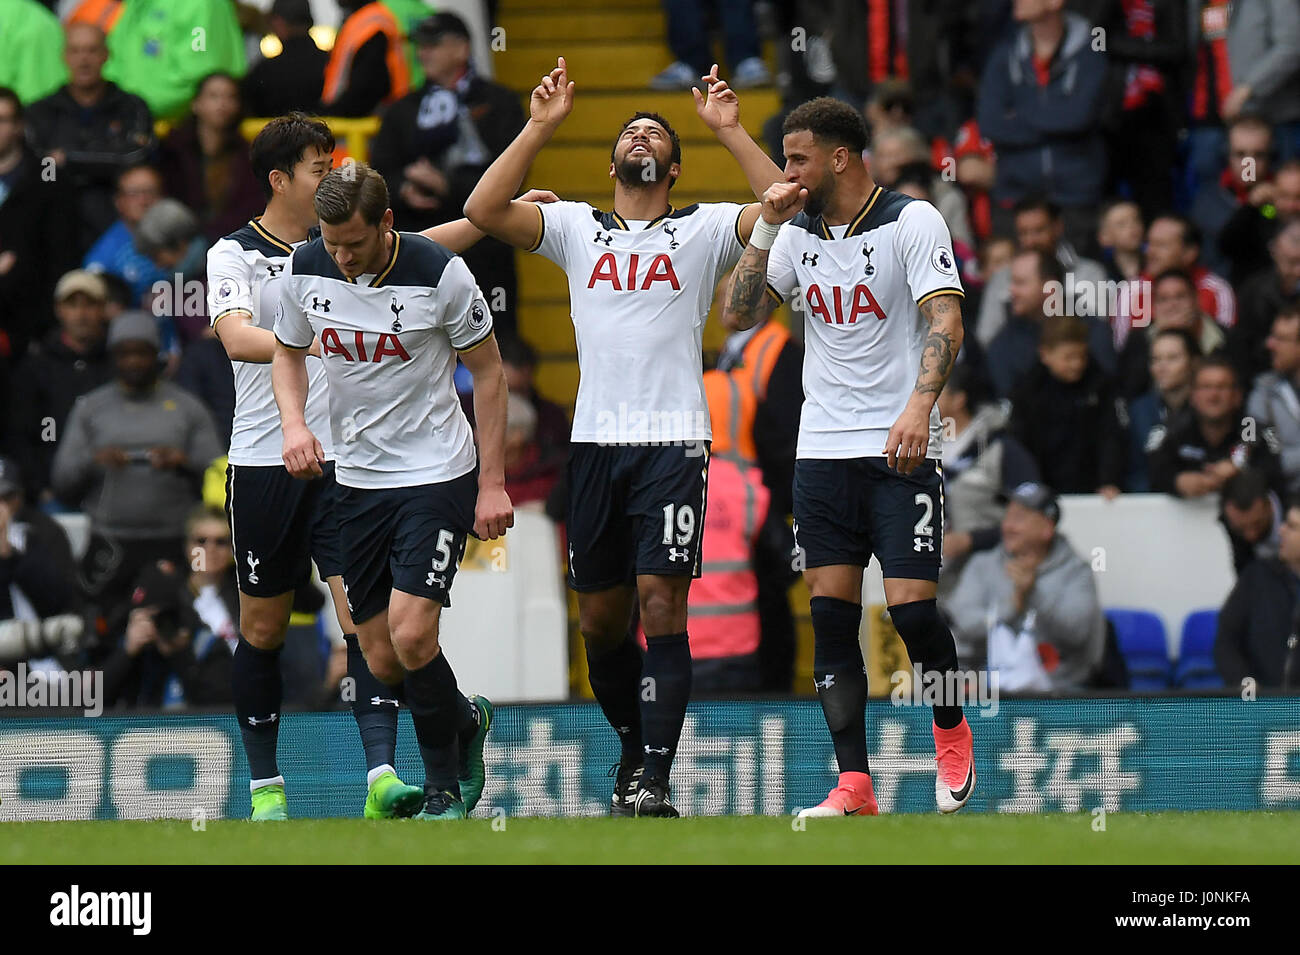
column 639, row 299
column 863, row 330
column 389, row 348
column 244, row 271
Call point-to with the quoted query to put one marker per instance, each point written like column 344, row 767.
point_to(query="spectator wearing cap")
column 1274, row 402
column 1040, row 103
column 1262, row 298
column 37, row 236
column 40, row 602
column 294, row 78
column 115, row 252
column 367, row 67
column 92, row 129
column 205, row 161
column 69, row 362
column 1173, row 357
column 1198, row 454
column 132, row 457
column 1030, row 606
column 169, row 236
column 436, row 142
column 1262, row 613
column 1251, row 513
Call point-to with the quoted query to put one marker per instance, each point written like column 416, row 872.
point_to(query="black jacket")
column 99, row 141
column 46, row 384
column 38, row 224
column 1073, row 431
column 1255, row 622
column 42, row 568
column 1259, row 299
column 1181, row 447
column 292, row 80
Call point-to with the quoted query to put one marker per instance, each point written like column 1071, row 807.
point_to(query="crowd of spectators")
column 1121, row 179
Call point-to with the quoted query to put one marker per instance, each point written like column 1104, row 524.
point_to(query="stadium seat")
column 1195, row 669
column 1142, row 641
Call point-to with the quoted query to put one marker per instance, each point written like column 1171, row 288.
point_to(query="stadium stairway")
column 612, row 55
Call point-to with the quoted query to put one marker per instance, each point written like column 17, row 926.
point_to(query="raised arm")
column 720, row 111
column 490, row 206
column 461, row 234
column 909, row 439
column 747, row 300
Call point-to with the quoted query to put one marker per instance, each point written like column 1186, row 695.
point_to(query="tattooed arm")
column 909, row 439
column 748, row 301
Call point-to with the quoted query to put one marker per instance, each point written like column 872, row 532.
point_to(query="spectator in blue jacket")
column 1173, row 353
column 1040, row 102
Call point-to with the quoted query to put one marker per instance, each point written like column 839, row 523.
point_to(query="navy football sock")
column 665, row 692
column 432, row 697
column 258, row 691
column 841, row 679
column 933, row 650
column 375, row 707
column 616, row 681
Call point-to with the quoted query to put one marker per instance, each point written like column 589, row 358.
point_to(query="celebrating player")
column 868, row 478
column 641, row 279
column 278, row 523
column 391, row 311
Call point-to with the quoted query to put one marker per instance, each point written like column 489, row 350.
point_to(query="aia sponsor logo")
column 361, row 346
column 837, row 305
column 660, row 269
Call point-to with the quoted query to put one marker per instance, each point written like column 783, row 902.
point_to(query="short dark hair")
column 296, row 13
column 1245, row 488
column 1063, row 330
column 1221, row 362
column 915, row 173
column 282, row 143
column 1181, row 275
column 1049, row 266
column 1191, row 232
column 1037, row 204
column 830, row 121
column 350, row 188
column 656, row 118
column 7, row 94
column 1183, row 335
column 136, row 167
column 515, row 351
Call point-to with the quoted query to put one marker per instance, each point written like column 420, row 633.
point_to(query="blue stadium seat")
column 1141, row 638
column 1196, row 669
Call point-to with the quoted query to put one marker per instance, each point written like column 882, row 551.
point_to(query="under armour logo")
column 825, row 684
column 867, row 250
column 397, row 314
column 919, row 542
column 678, row 553
column 810, row 258
column 661, row 751
column 275, row 268
column 602, row 236
column 254, row 721
column 252, row 568
column 435, row 578
column 347, row 599
column 380, row 701
column 319, row 305
column 672, row 237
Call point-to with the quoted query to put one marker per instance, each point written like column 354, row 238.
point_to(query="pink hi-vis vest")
column 723, row 604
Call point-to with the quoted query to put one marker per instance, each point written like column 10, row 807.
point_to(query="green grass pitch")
column 1171, row 837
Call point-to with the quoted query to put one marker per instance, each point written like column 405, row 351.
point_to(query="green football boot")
column 269, row 804
column 441, row 806
column 390, row 798
column 473, row 773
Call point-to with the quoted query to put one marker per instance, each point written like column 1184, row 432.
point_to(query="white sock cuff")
column 377, row 772
column 255, row 784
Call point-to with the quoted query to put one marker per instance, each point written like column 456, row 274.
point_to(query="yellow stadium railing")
column 353, row 134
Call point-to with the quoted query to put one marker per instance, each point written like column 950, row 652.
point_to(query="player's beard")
column 818, row 199
column 632, row 172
